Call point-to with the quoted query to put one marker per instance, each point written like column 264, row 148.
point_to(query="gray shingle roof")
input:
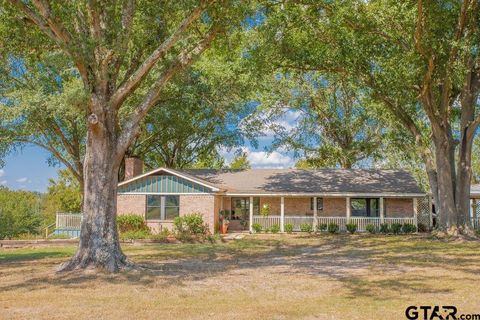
column 308, row 181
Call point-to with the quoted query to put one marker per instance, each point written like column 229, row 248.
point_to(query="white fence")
column 296, row 221
column 68, row 221
column 361, row 222
column 266, row 222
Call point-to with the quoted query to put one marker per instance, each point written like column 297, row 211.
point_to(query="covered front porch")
column 296, row 210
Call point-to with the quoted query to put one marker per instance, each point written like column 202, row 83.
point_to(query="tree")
column 420, row 60
column 195, row 116
column 43, row 106
column 240, row 162
column 63, row 195
column 125, row 54
column 333, row 125
column 19, row 213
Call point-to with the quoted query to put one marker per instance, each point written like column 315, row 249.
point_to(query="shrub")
column 409, row 228
column 131, row 222
column 162, row 235
column 190, row 227
column 384, row 228
column 306, row 227
column 332, row 228
column 351, row 227
column 133, row 235
column 322, row 227
column 288, row 228
column 396, row 228
column 371, row 228
column 257, row 227
column 275, row 228
column 422, row 227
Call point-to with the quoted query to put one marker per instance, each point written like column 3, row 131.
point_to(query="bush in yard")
column 396, row 228
column 257, row 227
column 351, row 227
column 161, row 236
column 306, row 227
column 384, row 228
column 190, row 227
column 477, row 232
column 322, row 227
column 131, row 222
column 275, row 228
column 371, row 228
column 288, row 228
column 332, row 228
column 409, row 228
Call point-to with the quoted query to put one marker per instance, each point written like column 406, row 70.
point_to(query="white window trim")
column 162, row 207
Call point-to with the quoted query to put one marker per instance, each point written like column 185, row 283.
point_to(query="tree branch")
column 136, row 78
column 131, row 128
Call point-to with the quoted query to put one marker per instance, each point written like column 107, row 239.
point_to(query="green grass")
column 259, row 277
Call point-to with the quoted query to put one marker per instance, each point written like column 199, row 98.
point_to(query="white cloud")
column 3, row 183
column 2, row 172
column 22, row 180
column 262, row 159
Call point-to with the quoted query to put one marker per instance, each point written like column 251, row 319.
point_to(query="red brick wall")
column 131, row 204
column 398, row 208
column 207, row 205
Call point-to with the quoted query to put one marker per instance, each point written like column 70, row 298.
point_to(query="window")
column 162, row 207
column 319, row 204
column 363, row 207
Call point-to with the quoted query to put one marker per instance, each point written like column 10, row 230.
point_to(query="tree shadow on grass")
column 354, row 263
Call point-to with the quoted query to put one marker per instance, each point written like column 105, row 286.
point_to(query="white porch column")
column 349, row 209
column 315, row 209
column 415, row 210
column 282, row 214
column 382, row 211
column 251, row 214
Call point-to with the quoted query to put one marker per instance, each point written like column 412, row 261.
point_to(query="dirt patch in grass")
column 259, row 277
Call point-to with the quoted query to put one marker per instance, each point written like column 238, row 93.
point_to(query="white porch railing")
column 68, row 221
column 361, row 222
column 296, row 221
column 266, row 222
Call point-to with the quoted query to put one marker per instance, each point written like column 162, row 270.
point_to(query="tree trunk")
column 99, row 245
column 445, row 162
column 464, row 176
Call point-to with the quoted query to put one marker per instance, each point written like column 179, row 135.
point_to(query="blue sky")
column 28, row 170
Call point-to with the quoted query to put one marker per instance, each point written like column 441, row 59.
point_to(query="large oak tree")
column 125, row 52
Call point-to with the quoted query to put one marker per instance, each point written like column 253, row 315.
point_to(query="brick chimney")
column 133, row 167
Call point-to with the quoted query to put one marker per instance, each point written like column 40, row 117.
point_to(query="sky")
column 28, row 168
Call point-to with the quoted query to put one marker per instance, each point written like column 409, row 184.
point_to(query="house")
column 289, row 196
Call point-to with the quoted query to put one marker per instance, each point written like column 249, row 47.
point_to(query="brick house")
column 292, row 196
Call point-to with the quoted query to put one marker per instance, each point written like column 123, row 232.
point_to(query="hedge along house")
column 270, row 196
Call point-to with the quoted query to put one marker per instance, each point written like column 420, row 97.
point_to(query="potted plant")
column 224, row 221
column 224, row 226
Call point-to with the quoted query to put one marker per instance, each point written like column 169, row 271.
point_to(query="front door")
column 240, row 215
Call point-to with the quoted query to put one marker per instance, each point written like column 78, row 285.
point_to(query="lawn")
column 259, row 277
